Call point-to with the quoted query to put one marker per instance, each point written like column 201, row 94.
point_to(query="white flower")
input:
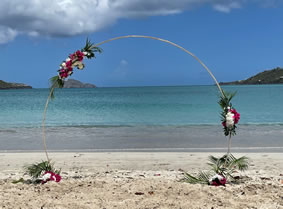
column 68, row 59
column 79, row 65
column 229, row 120
column 85, row 53
column 63, row 64
column 46, row 177
column 227, row 108
column 217, row 176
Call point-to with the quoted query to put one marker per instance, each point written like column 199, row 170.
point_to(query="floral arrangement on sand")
column 222, row 169
column 40, row 173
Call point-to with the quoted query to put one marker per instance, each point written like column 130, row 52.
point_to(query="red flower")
column 57, row 177
column 224, row 123
column 219, row 181
column 236, row 115
column 72, row 56
column 50, row 176
column 80, row 55
column 63, row 74
column 69, row 65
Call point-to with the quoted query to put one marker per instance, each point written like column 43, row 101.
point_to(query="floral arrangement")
column 41, row 173
column 229, row 116
column 221, row 171
column 50, row 176
column 74, row 60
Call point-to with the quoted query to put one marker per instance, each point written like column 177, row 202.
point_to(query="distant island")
column 274, row 76
column 6, row 85
column 72, row 83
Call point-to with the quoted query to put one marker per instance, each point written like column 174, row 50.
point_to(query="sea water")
column 130, row 118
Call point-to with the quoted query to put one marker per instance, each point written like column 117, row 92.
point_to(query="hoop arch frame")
column 123, row 37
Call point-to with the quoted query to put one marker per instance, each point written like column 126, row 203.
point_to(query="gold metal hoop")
column 123, row 37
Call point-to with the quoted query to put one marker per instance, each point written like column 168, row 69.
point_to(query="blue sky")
column 235, row 39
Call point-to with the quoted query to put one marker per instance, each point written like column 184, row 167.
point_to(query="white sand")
column 139, row 180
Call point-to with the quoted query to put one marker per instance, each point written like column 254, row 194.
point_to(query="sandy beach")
column 139, row 180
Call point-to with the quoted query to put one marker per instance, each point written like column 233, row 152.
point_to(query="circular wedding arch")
column 123, row 37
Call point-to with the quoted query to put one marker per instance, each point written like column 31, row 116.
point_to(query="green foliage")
column 55, row 82
column 226, row 166
column 37, row 169
column 201, row 178
column 225, row 100
column 90, row 48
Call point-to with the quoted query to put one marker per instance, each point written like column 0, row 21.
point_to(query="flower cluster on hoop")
column 74, row 60
column 229, row 116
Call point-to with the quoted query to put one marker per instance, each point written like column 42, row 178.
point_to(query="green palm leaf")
column 202, row 178
column 37, row 169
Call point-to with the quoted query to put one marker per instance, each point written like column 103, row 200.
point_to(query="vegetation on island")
column 6, row 85
column 274, row 76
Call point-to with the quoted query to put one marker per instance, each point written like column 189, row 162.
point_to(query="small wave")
column 211, row 149
column 7, row 128
column 7, row 131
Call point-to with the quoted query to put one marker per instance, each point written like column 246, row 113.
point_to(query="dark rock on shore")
column 6, row 85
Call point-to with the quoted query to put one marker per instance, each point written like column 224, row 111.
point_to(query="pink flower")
column 72, row 56
column 69, row 65
column 218, row 180
column 57, row 177
column 63, row 74
column 50, row 176
column 80, row 55
column 236, row 115
column 224, row 123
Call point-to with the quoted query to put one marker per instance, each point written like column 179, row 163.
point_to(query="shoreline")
column 196, row 138
column 160, row 150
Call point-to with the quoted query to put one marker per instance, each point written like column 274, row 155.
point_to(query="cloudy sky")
column 234, row 38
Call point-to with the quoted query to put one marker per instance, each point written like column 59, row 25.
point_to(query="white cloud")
column 226, row 8
column 7, row 34
column 121, row 72
column 72, row 17
column 123, row 62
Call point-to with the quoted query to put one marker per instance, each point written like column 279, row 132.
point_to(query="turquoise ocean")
column 175, row 118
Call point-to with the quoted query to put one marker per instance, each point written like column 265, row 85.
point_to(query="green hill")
column 274, row 76
column 6, row 85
